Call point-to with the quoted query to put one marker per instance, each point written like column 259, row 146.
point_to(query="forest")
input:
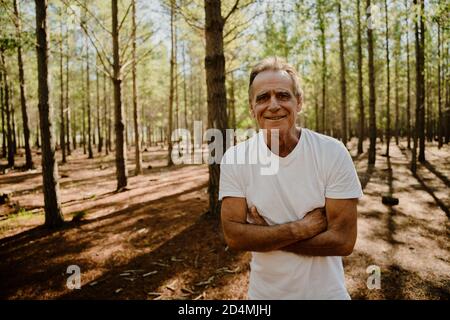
column 100, row 101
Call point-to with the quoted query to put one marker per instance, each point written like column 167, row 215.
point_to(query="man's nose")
column 274, row 105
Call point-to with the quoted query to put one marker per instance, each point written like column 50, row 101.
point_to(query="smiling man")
column 299, row 222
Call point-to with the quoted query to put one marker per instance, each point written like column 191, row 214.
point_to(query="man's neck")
column 286, row 143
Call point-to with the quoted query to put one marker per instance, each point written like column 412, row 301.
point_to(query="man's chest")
column 288, row 195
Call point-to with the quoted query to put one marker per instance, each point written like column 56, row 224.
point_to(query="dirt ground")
column 156, row 241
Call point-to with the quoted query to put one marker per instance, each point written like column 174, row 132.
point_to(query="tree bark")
column 119, row 126
column 53, row 214
column 62, row 134
column 67, row 111
column 7, row 106
column 343, row 80
column 216, row 92
column 322, row 28
column 99, row 128
column 360, row 83
column 88, row 104
column 171, row 92
column 420, row 81
column 440, row 120
column 372, row 96
column 388, row 82
column 137, row 137
column 23, row 101
column 3, row 117
column 408, row 83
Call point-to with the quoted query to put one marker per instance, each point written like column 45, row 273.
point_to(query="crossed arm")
column 318, row 234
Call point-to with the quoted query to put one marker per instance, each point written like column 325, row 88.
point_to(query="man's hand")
column 315, row 220
column 255, row 217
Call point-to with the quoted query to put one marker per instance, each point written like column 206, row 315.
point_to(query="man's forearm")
column 249, row 237
column 328, row 243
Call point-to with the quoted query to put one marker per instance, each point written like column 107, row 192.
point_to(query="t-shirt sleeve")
column 229, row 183
column 342, row 179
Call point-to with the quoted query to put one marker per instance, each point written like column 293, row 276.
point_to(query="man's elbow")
column 346, row 247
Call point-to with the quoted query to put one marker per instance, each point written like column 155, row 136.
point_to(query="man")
column 299, row 221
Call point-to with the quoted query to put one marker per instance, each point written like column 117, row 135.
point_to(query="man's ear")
column 299, row 103
column 252, row 112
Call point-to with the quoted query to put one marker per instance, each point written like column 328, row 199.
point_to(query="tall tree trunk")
column 343, row 80
column 119, row 126
column 9, row 136
column 62, row 134
column 440, row 120
column 388, row 82
column 372, row 97
column 360, row 84
column 67, row 113
column 2, row 108
column 88, row 104
column 53, row 214
column 397, row 81
column 171, row 92
column 408, row 83
column 420, row 81
column 322, row 28
column 99, row 128
column 13, row 122
column 215, row 86
column 184, row 88
column 105, row 115
column 83, row 89
column 137, row 137
column 23, row 101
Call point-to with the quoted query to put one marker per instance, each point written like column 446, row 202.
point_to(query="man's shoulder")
column 322, row 141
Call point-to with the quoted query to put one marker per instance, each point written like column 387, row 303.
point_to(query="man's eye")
column 261, row 98
column 283, row 96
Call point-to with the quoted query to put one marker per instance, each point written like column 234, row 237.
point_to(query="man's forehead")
column 272, row 80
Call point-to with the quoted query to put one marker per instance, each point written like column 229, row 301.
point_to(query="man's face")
column 273, row 103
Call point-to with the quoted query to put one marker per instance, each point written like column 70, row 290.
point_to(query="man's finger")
column 256, row 217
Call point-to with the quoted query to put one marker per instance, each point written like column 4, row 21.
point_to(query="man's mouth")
column 275, row 118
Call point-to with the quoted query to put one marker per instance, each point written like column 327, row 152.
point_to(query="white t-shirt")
column 318, row 167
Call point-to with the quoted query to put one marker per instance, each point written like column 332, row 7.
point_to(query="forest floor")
column 155, row 240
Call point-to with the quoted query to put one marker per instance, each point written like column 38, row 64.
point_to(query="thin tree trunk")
column 53, row 214
column 88, row 103
column 388, row 82
column 62, row 134
column 137, row 137
column 360, row 84
column 420, row 82
column 184, row 88
column 216, row 92
column 324, row 64
column 9, row 136
column 372, row 97
column 343, row 80
column 2, row 106
column 23, row 101
column 99, row 128
column 67, row 113
column 408, row 83
column 440, row 122
column 397, row 89
column 171, row 92
column 121, row 156
column 105, row 115
column 13, row 122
